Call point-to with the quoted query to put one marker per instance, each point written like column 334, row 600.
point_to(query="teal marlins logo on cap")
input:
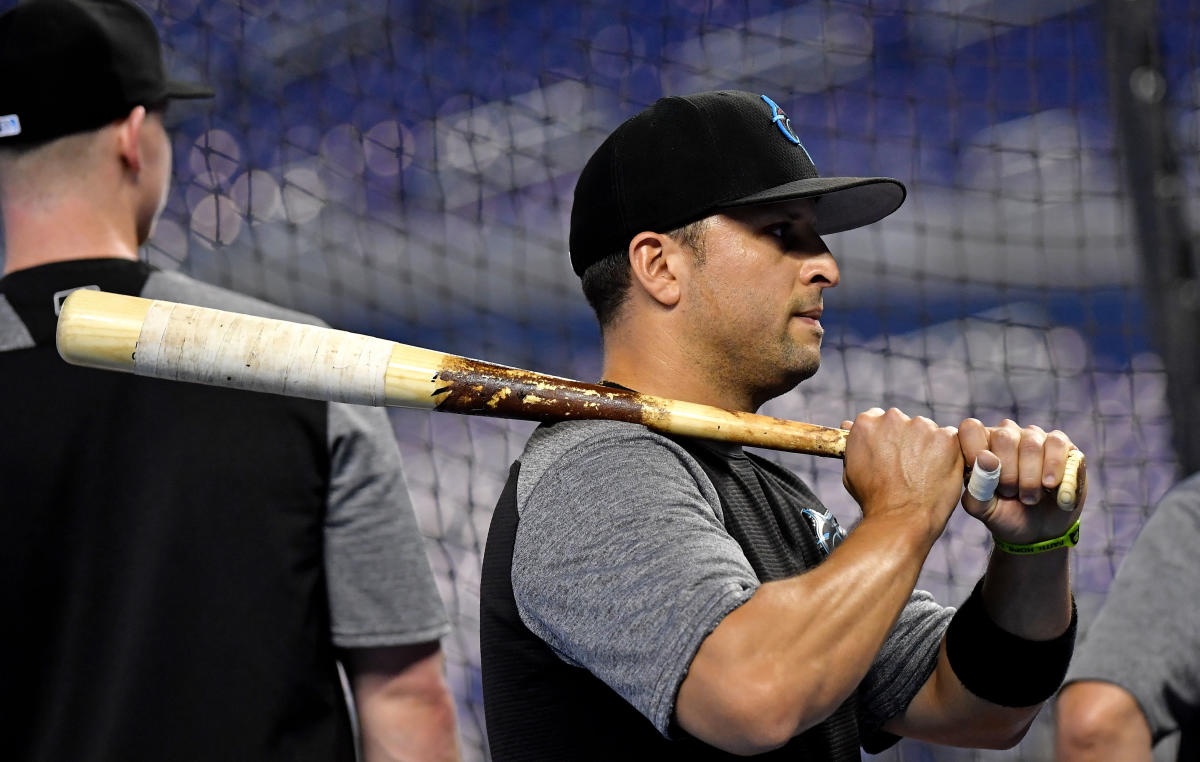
column 784, row 124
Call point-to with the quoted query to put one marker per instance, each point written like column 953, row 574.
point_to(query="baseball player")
column 184, row 567
column 654, row 597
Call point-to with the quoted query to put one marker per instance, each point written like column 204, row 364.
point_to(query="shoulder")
column 610, row 445
column 610, row 456
column 1171, row 536
column 13, row 333
column 1183, row 498
column 177, row 287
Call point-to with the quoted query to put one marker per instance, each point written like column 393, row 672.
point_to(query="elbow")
column 744, row 714
column 405, row 709
column 1008, row 735
column 1093, row 719
column 751, row 721
column 986, row 732
column 762, row 719
column 1083, row 730
column 439, row 710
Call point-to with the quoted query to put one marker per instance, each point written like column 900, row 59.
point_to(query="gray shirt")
column 623, row 565
column 381, row 587
column 1146, row 638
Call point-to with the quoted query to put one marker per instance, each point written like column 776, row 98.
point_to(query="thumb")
column 979, row 500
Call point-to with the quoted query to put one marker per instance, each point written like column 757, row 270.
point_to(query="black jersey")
column 166, row 586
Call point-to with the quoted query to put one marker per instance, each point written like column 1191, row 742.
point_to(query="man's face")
column 755, row 302
column 155, row 174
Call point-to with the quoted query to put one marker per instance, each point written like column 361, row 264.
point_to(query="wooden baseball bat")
column 182, row 342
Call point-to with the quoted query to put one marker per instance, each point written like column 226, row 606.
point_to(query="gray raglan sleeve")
column 381, row 587
column 905, row 662
column 1146, row 638
column 622, row 565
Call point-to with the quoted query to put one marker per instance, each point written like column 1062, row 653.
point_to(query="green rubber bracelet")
column 1068, row 540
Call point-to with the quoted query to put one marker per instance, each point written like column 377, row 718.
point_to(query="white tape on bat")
column 262, row 355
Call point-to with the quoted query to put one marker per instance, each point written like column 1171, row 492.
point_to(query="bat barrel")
column 100, row 330
column 182, row 342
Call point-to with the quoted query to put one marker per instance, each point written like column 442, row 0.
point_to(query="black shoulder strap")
column 515, row 707
column 537, row 706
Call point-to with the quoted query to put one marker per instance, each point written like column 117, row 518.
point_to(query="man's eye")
column 779, row 231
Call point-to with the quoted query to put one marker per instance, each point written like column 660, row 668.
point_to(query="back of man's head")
column 71, row 66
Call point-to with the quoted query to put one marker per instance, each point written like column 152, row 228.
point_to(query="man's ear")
column 656, row 263
column 129, row 136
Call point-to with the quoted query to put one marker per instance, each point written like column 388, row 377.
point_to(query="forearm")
column 1010, row 656
column 1029, row 596
column 788, row 657
column 415, row 729
column 405, row 711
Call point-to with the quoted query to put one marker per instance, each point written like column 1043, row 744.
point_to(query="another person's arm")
column 386, row 617
column 1100, row 722
column 405, row 711
column 1136, row 677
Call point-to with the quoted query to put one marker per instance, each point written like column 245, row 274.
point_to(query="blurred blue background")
column 405, row 169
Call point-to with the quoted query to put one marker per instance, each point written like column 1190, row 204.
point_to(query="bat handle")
column 1073, row 481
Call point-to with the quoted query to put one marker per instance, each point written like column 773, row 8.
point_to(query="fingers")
column 979, row 499
column 1032, row 461
column 1054, row 458
column 897, row 463
column 985, row 476
column 1029, row 464
column 1004, row 441
column 973, row 437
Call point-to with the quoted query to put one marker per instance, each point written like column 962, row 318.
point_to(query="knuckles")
column 1004, row 438
column 1059, row 437
column 1032, row 440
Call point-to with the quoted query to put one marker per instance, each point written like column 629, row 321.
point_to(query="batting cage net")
column 405, row 169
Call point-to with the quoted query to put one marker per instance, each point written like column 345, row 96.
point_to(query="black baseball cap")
column 686, row 157
column 67, row 66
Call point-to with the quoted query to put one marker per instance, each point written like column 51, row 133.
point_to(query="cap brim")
column 843, row 203
column 186, row 90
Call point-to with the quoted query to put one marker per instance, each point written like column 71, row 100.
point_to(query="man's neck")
column 70, row 229
column 666, row 374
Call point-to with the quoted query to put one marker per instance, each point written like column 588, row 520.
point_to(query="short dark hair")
column 606, row 282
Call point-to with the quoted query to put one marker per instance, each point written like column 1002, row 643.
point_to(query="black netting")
column 405, row 169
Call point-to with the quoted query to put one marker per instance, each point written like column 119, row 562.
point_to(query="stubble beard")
column 794, row 364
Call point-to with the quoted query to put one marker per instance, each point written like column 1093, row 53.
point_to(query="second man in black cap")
column 653, row 597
